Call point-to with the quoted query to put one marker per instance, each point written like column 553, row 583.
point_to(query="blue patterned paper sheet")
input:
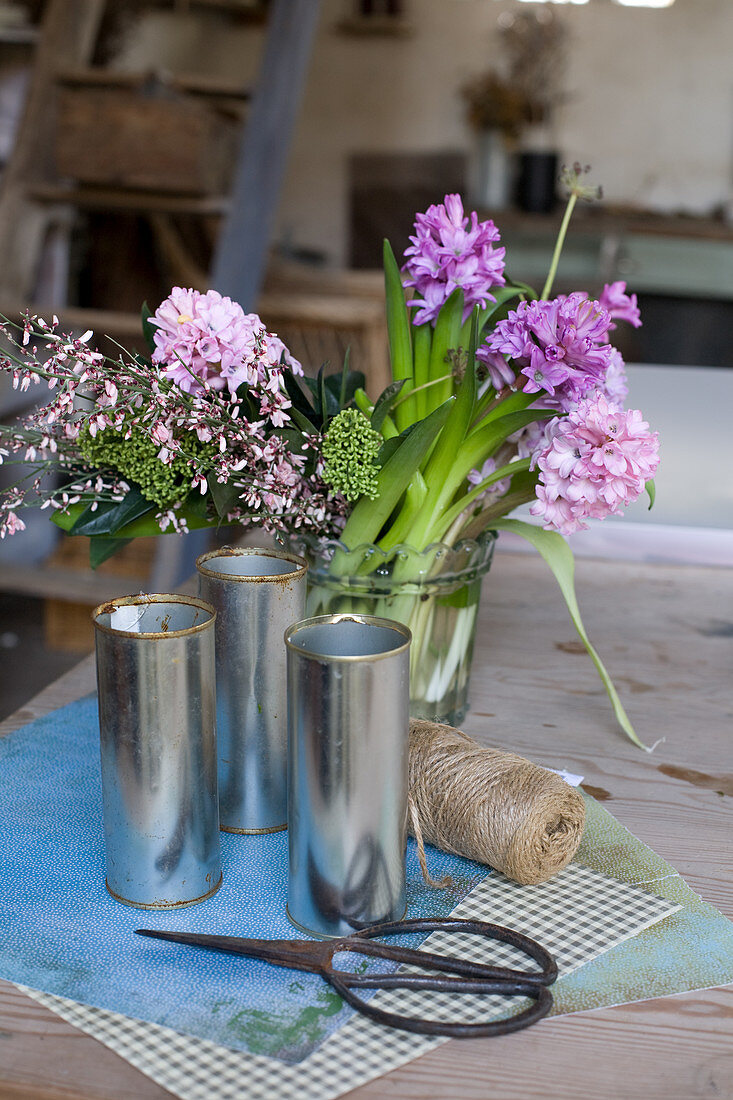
column 64, row 934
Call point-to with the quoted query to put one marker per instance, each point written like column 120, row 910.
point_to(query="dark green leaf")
column 323, row 396
column 292, row 436
column 299, row 391
column 66, row 519
column 109, row 517
column 250, row 409
column 302, row 410
column 101, row 548
column 344, row 390
column 302, row 421
column 345, row 380
column 387, row 449
column 193, row 511
column 148, row 329
column 385, row 402
column 325, row 402
column 138, row 357
column 224, row 496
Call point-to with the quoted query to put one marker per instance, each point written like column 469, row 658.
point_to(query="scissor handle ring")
column 540, row 995
column 546, row 976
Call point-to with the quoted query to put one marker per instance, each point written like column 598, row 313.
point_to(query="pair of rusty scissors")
column 446, row 973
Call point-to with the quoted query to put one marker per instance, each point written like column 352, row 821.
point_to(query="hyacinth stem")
column 559, row 246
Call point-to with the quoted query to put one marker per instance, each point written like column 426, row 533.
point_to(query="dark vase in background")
column 536, row 182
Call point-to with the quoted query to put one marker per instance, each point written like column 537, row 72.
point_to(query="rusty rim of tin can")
column 205, row 569
column 160, row 905
column 364, row 620
column 145, row 600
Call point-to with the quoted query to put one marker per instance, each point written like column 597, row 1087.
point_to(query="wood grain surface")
column 666, row 635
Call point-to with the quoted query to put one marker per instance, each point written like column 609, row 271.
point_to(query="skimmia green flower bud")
column 350, row 448
column 136, row 459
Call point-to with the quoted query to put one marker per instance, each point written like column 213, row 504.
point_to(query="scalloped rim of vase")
column 438, row 564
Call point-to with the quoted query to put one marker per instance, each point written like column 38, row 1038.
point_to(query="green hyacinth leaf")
column 422, row 341
column 510, row 470
column 459, row 420
column 558, row 555
column 398, row 321
column 368, row 516
column 446, row 337
column 524, row 289
column 651, row 492
column 488, row 437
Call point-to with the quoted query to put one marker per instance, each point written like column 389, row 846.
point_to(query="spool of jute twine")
column 490, row 806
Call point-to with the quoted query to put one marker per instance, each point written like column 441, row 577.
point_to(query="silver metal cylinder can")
column 348, row 726
column 157, row 722
column 257, row 594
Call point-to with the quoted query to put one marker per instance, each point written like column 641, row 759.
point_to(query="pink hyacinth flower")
column 598, row 461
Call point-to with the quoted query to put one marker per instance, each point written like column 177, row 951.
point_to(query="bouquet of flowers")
column 500, row 397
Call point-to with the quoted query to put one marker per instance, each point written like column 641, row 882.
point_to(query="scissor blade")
column 294, row 954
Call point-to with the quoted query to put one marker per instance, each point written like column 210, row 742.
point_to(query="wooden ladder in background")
column 318, row 318
column 33, row 204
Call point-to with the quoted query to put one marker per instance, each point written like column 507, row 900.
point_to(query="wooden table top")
column 666, row 635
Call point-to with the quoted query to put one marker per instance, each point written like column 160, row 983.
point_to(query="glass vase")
column 434, row 592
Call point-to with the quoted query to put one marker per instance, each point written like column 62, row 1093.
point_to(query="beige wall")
column 650, row 98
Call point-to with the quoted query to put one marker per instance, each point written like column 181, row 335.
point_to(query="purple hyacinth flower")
column 450, row 250
column 620, row 305
column 559, row 346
